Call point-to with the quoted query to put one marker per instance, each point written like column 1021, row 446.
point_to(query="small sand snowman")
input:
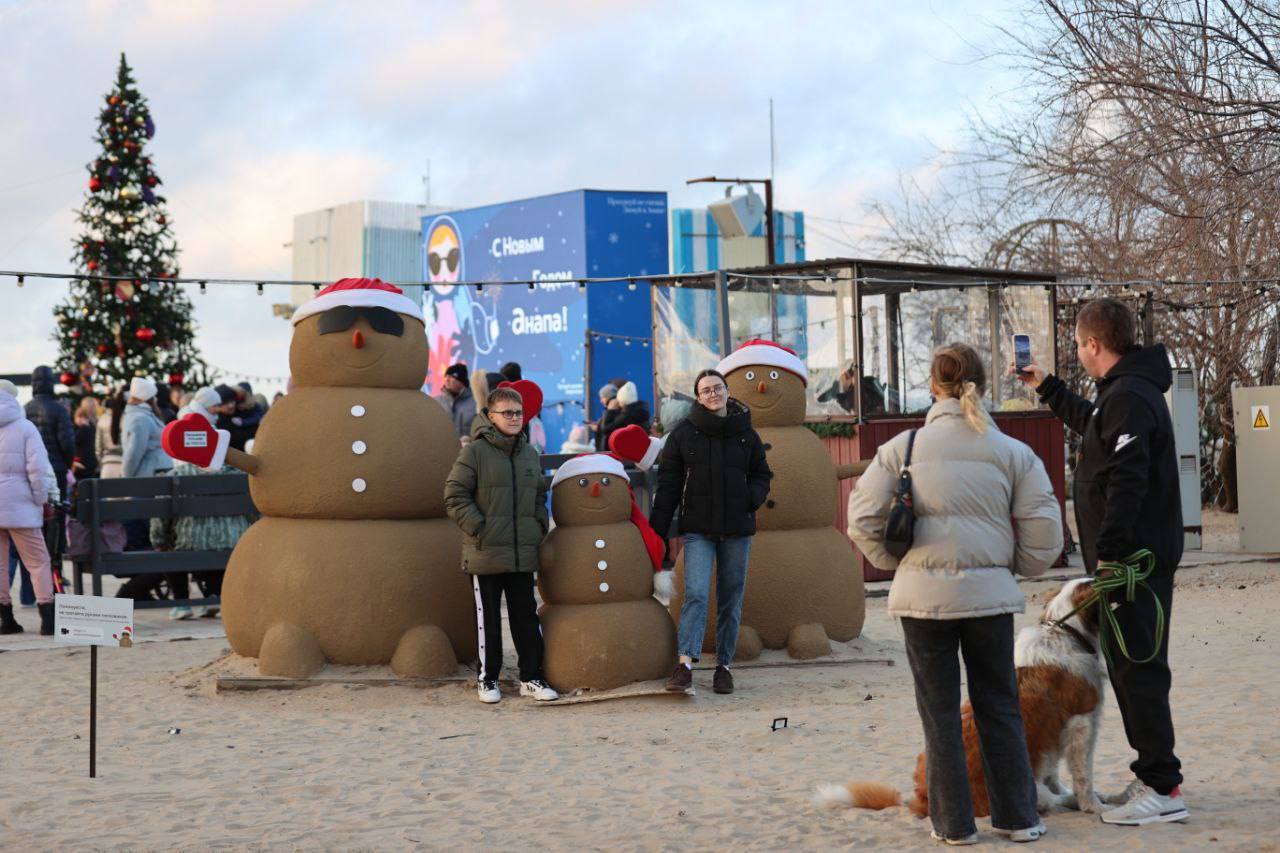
column 601, row 625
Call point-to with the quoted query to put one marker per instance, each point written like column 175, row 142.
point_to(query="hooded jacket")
column 496, row 493
column 53, row 421
column 461, row 408
column 23, row 466
column 140, row 431
column 984, row 509
column 714, row 470
column 1126, row 480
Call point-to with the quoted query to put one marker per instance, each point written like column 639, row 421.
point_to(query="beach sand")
column 341, row 766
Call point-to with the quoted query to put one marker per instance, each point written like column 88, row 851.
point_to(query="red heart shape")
column 530, row 396
column 630, row 442
column 191, row 438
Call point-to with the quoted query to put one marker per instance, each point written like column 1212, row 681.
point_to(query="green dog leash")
column 1122, row 576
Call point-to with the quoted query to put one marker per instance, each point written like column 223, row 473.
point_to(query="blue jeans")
column 730, row 556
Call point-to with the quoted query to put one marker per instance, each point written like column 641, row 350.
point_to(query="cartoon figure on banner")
column 455, row 314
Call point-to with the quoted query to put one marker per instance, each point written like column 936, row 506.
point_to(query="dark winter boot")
column 7, row 624
column 46, row 619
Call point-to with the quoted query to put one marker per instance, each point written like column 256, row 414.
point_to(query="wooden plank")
column 629, row 691
column 152, row 562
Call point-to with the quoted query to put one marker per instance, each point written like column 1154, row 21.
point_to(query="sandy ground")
column 341, row 767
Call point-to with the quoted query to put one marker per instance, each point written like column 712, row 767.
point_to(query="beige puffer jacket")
column 973, row 492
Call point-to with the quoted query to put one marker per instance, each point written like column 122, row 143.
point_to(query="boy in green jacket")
column 498, row 497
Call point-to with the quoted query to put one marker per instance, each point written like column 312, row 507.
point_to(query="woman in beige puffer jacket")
column 985, row 511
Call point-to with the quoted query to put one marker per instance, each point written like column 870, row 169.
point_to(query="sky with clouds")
column 271, row 108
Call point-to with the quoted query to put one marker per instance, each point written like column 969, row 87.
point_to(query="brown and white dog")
column 1060, row 682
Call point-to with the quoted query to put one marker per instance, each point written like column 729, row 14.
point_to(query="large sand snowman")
column 601, row 624
column 802, row 572
column 353, row 561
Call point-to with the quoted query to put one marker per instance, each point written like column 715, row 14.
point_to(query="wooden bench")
column 99, row 501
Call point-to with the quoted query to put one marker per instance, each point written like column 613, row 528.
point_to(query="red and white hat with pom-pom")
column 766, row 353
column 358, row 293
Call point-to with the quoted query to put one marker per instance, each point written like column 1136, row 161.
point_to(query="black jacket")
column 615, row 419
column 1126, row 481
column 714, row 470
column 54, row 422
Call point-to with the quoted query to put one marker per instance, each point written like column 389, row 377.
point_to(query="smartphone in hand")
column 1021, row 352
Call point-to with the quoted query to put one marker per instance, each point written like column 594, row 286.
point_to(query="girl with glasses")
column 713, row 470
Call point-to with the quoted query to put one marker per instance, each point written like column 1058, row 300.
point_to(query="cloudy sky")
column 270, row 108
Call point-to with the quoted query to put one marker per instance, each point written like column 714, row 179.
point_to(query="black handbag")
column 900, row 528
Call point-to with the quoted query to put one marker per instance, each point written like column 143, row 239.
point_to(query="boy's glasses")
column 511, row 414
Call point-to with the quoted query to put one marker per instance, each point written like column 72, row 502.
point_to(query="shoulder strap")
column 911, row 441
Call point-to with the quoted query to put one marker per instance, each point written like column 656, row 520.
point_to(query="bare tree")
column 1146, row 148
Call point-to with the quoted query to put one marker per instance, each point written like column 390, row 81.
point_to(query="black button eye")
column 582, row 481
column 604, row 481
column 770, row 503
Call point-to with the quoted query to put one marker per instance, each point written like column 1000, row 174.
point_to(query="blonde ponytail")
column 971, row 405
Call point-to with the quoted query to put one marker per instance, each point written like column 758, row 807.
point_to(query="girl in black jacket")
column 712, row 469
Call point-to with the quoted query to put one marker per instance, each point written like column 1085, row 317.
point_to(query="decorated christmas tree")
column 138, row 322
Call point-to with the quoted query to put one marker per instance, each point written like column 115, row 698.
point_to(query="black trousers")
column 986, row 643
column 1142, row 689
column 522, row 614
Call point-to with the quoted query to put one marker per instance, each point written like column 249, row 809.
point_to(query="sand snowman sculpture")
column 353, row 561
column 803, row 583
column 601, row 625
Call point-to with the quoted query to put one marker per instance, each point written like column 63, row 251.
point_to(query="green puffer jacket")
column 503, row 526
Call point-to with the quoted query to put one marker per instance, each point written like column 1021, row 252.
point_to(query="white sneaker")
column 539, row 690
column 955, row 842
column 1125, row 795
column 489, row 692
column 1146, row 806
column 181, row 613
column 1022, row 836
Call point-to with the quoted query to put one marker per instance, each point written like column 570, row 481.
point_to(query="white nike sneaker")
column 489, row 692
column 1022, row 836
column 539, row 690
column 1146, row 806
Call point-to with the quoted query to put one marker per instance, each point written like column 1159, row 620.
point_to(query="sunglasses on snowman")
column 435, row 261
column 382, row 320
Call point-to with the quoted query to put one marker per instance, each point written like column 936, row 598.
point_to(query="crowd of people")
column 46, row 448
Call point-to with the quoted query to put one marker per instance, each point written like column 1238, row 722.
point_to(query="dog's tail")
column 858, row 795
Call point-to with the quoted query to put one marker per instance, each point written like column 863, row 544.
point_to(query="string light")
column 582, row 286
column 531, row 287
column 21, row 279
column 260, row 290
column 631, row 284
column 204, row 287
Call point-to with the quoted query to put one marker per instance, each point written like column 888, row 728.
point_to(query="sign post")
column 91, row 620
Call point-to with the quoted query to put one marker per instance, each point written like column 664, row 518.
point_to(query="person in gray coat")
column 984, row 511
column 457, row 399
column 140, row 433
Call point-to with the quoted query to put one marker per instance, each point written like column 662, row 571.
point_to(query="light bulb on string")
column 631, row 284
column 21, row 279
column 260, row 290
column 204, row 286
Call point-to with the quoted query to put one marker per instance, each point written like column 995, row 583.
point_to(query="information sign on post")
column 92, row 620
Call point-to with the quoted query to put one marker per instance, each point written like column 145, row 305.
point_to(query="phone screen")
column 1021, row 351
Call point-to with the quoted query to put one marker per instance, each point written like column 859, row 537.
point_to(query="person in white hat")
column 140, row 432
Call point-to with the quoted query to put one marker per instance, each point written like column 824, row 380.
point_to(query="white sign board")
column 1260, row 417
column 93, row 620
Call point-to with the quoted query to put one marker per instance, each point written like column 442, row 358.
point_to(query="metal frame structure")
column 866, row 278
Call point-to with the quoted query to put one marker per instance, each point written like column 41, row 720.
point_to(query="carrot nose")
column 760, row 387
column 357, row 341
column 595, row 490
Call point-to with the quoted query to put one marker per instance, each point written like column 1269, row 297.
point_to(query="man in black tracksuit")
column 1127, row 498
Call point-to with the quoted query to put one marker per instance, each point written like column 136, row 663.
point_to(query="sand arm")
column 852, row 469
column 246, row 462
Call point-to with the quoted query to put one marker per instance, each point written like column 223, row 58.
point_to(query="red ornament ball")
column 95, row 184
column 145, row 334
column 67, row 377
column 176, row 378
column 92, row 265
column 103, row 349
column 152, row 181
column 75, row 334
column 160, row 219
column 113, row 100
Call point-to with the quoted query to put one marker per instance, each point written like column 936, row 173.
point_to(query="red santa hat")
column 766, row 353
column 358, row 293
